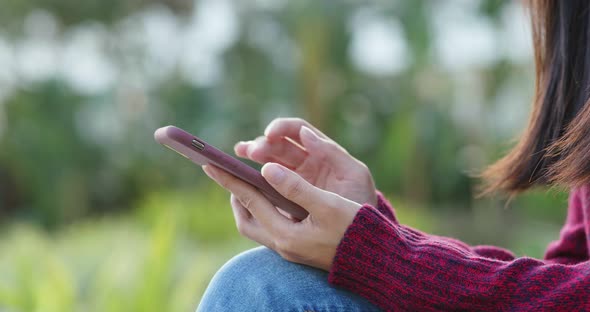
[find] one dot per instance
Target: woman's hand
(312, 241)
(315, 157)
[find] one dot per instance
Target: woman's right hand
(315, 157)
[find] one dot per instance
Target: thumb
(293, 187)
(325, 149)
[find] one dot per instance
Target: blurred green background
(98, 217)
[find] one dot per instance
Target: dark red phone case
(202, 153)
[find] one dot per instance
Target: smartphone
(203, 153)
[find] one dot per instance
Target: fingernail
(273, 173)
(309, 134)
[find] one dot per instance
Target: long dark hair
(555, 147)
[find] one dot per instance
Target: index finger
(289, 127)
(258, 205)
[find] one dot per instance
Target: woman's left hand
(312, 241)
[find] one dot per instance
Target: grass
(128, 263)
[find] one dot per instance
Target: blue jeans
(260, 280)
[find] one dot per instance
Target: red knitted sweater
(401, 269)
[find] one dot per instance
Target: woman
(356, 256)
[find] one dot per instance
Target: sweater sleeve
(401, 269)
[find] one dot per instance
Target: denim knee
(260, 280)
(247, 280)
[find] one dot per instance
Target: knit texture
(402, 269)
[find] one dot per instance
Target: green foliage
(107, 265)
(46, 154)
(66, 153)
(545, 205)
(72, 12)
(205, 213)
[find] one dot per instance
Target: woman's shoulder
(581, 196)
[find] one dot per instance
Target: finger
(297, 189)
(282, 151)
(327, 151)
(263, 210)
(242, 148)
(247, 224)
(240, 213)
(288, 127)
